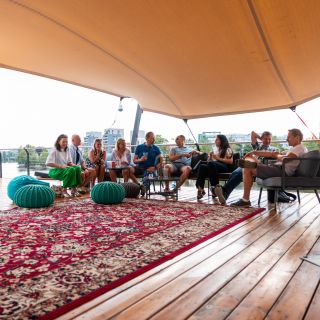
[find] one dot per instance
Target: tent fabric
(184, 58)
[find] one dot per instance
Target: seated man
(254, 168)
(235, 179)
(180, 157)
(145, 157)
(88, 174)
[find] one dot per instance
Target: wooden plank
(186, 305)
(300, 289)
(158, 299)
(314, 308)
(260, 300)
(225, 301)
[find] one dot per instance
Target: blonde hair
(120, 140)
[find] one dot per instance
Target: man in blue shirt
(147, 156)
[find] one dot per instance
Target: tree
(207, 148)
(159, 139)
(312, 145)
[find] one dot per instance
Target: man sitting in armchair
(180, 157)
(254, 168)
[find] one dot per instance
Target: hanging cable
(195, 140)
(293, 109)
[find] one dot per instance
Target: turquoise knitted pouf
(132, 189)
(107, 193)
(34, 196)
(16, 183)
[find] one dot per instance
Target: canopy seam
(99, 48)
(268, 49)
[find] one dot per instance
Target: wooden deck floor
(251, 271)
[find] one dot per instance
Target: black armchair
(307, 176)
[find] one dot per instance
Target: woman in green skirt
(63, 169)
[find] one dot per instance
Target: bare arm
(254, 137)
(224, 160)
(137, 160)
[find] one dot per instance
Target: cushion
(34, 196)
(16, 183)
(108, 193)
(132, 190)
(309, 168)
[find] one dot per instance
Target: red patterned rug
(52, 260)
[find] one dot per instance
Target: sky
(35, 110)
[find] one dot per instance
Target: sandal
(200, 194)
(65, 194)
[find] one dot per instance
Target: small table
(173, 194)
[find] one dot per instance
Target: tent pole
(195, 140)
(136, 126)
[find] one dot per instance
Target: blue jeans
(234, 180)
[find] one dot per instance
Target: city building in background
(111, 135)
(89, 139)
(208, 136)
(239, 137)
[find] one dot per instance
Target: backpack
(197, 158)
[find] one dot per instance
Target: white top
(228, 155)
(292, 165)
(125, 157)
(59, 157)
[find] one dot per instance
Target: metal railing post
(28, 161)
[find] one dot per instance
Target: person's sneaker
(142, 190)
(241, 203)
(242, 163)
(219, 193)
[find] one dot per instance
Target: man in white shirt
(253, 168)
(89, 174)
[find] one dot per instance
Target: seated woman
(97, 158)
(122, 156)
(63, 168)
(220, 161)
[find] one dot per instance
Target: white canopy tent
(183, 58)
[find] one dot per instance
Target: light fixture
(120, 107)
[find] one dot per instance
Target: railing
(31, 159)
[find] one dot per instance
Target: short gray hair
(296, 133)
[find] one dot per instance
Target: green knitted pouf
(107, 193)
(16, 183)
(34, 196)
(132, 189)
